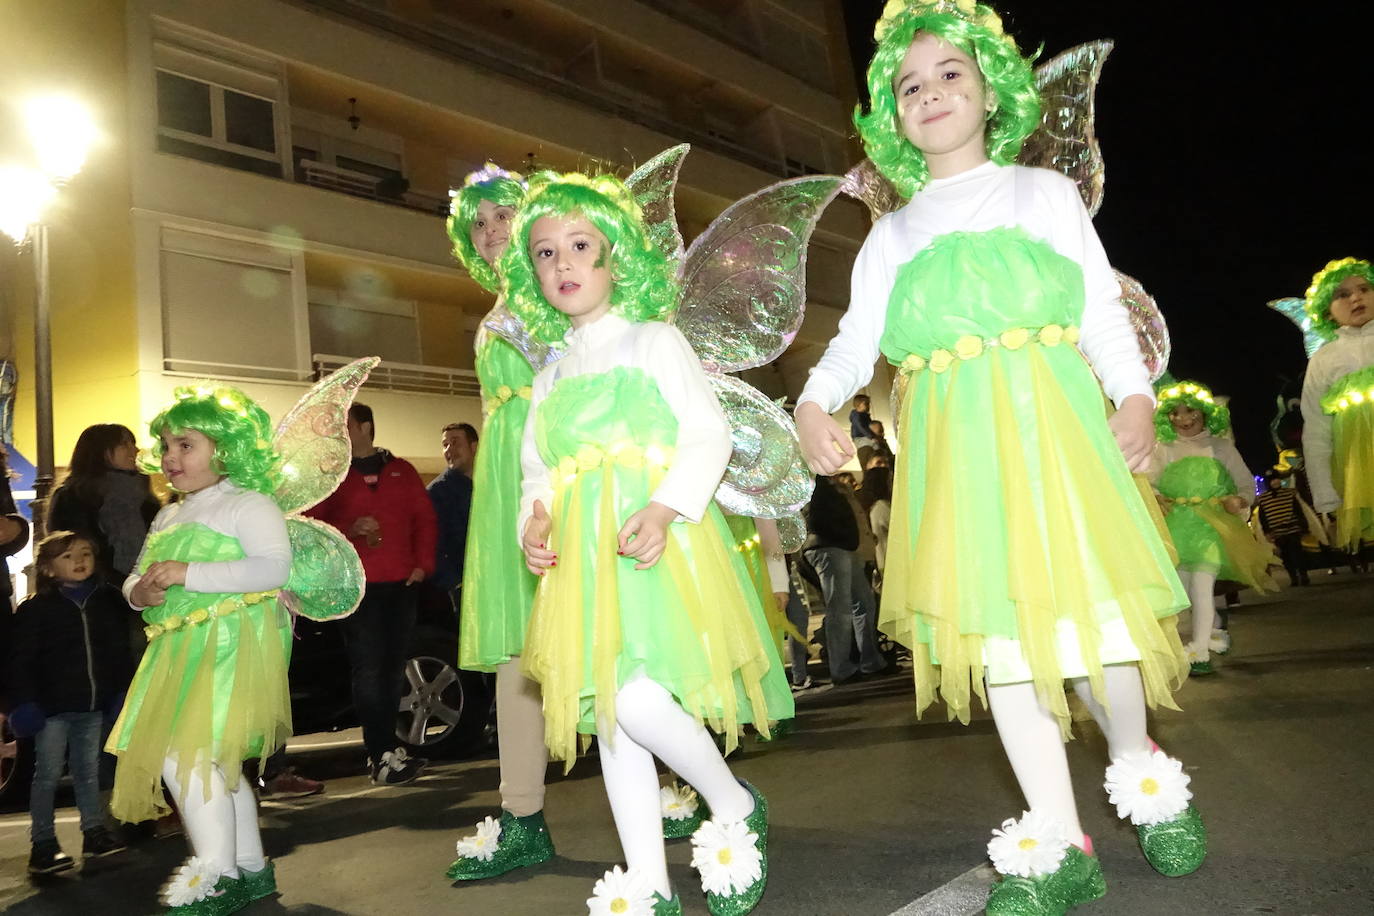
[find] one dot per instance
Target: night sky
(1237, 148)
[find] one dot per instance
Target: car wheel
(443, 710)
(16, 766)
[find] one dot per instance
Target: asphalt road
(874, 813)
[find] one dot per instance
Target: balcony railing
(361, 184)
(407, 376)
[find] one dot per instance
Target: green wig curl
(1198, 397)
(977, 31)
(240, 429)
(493, 183)
(1323, 288)
(642, 283)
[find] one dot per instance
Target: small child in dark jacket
(69, 661)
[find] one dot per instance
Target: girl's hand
(145, 594)
(1236, 505)
(645, 534)
(537, 556)
(825, 446)
(165, 573)
(1133, 425)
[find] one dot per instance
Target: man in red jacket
(384, 510)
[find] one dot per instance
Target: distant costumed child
(645, 624)
(1208, 492)
(1338, 400)
(1020, 553)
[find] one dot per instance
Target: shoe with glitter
(683, 809)
(1077, 880)
(1177, 846)
(732, 858)
(518, 843)
(1199, 665)
(672, 907)
(259, 884)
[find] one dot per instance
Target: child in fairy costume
(1208, 492)
(213, 581)
(1020, 553)
(1338, 400)
(645, 623)
(497, 587)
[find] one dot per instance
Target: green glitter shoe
(1077, 880)
(671, 907)
(184, 893)
(501, 846)
(259, 884)
(732, 858)
(1199, 665)
(1175, 847)
(683, 811)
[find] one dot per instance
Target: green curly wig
(1324, 283)
(1006, 73)
(240, 429)
(1189, 394)
(493, 183)
(642, 283)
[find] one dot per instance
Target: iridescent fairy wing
(1295, 310)
(791, 532)
(1066, 140)
(326, 580)
(767, 476)
(653, 185)
(501, 322)
(1148, 322)
(744, 278)
(866, 184)
(313, 440)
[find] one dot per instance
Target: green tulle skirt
(1206, 536)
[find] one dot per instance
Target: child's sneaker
(682, 809)
(732, 858)
(501, 846)
(259, 884)
(397, 768)
(99, 842)
(1220, 643)
(1199, 665)
(1152, 790)
(197, 889)
(47, 858)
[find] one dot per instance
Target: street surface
(874, 813)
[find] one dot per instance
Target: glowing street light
(62, 132)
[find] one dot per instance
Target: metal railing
(406, 376)
(361, 184)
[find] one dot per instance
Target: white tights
(223, 829)
(1201, 588)
(649, 724)
(1035, 748)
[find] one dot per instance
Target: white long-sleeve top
(703, 435)
(978, 200)
(1206, 445)
(249, 517)
(1352, 350)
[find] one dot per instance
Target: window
(215, 103)
(342, 324)
(213, 291)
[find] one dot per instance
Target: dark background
(1238, 150)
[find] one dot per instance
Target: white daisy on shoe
(621, 893)
(678, 802)
(1149, 788)
(727, 855)
(1028, 848)
(482, 844)
(192, 882)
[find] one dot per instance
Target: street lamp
(61, 131)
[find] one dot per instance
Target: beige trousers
(520, 737)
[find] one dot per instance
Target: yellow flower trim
(971, 346)
(222, 608)
(1197, 500)
(625, 454)
(502, 395)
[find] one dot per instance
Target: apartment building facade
(268, 198)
